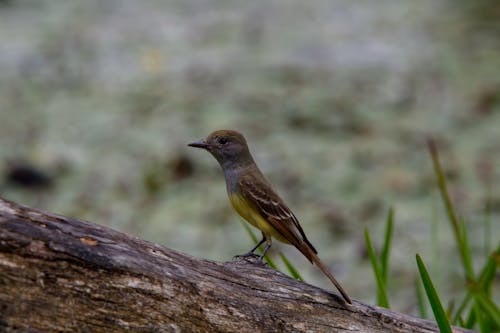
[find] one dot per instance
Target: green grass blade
(255, 239)
(488, 307)
(381, 292)
(250, 232)
(471, 318)
(435, 233)
(487, 219)
(437, 308)
(465, 250)
(441, 182)
(461, 308)
(488, 273)
(461, 322)
(384, 256)
(291, 269)
(420, 299)
(481, 323)
(484, 282)
(452, 216)
(449, 309)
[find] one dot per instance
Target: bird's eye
(223, 141)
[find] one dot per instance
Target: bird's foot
(247, 255)
(251, 257)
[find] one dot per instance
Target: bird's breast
(245, 210)
(252, 215)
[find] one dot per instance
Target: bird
(255, 200)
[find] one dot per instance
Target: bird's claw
(247, 255)
(252, 257)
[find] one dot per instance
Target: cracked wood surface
(66, 275)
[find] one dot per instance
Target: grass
(420, 299)
(483, 313)
(380, 264)
(432, 295)
(477, 309)
(381, 290)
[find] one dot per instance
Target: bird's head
(228, 147)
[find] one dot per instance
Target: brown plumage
(254, 199)
(282, 219)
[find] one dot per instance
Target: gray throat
(232, 175)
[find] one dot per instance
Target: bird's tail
(313, 257)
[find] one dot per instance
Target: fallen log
(59, 274)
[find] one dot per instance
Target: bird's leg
(258, 244)
(266, 248)
(251, 252)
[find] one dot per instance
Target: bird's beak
(199, 144)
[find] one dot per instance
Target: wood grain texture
(59, 274)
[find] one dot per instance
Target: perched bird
(254, 199)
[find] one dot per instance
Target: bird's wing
(274, 210)
(259, 193)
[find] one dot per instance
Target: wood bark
(59, 274)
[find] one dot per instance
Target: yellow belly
(253, 217)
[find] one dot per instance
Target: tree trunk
(58, 274)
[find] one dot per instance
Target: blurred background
(98, 100)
